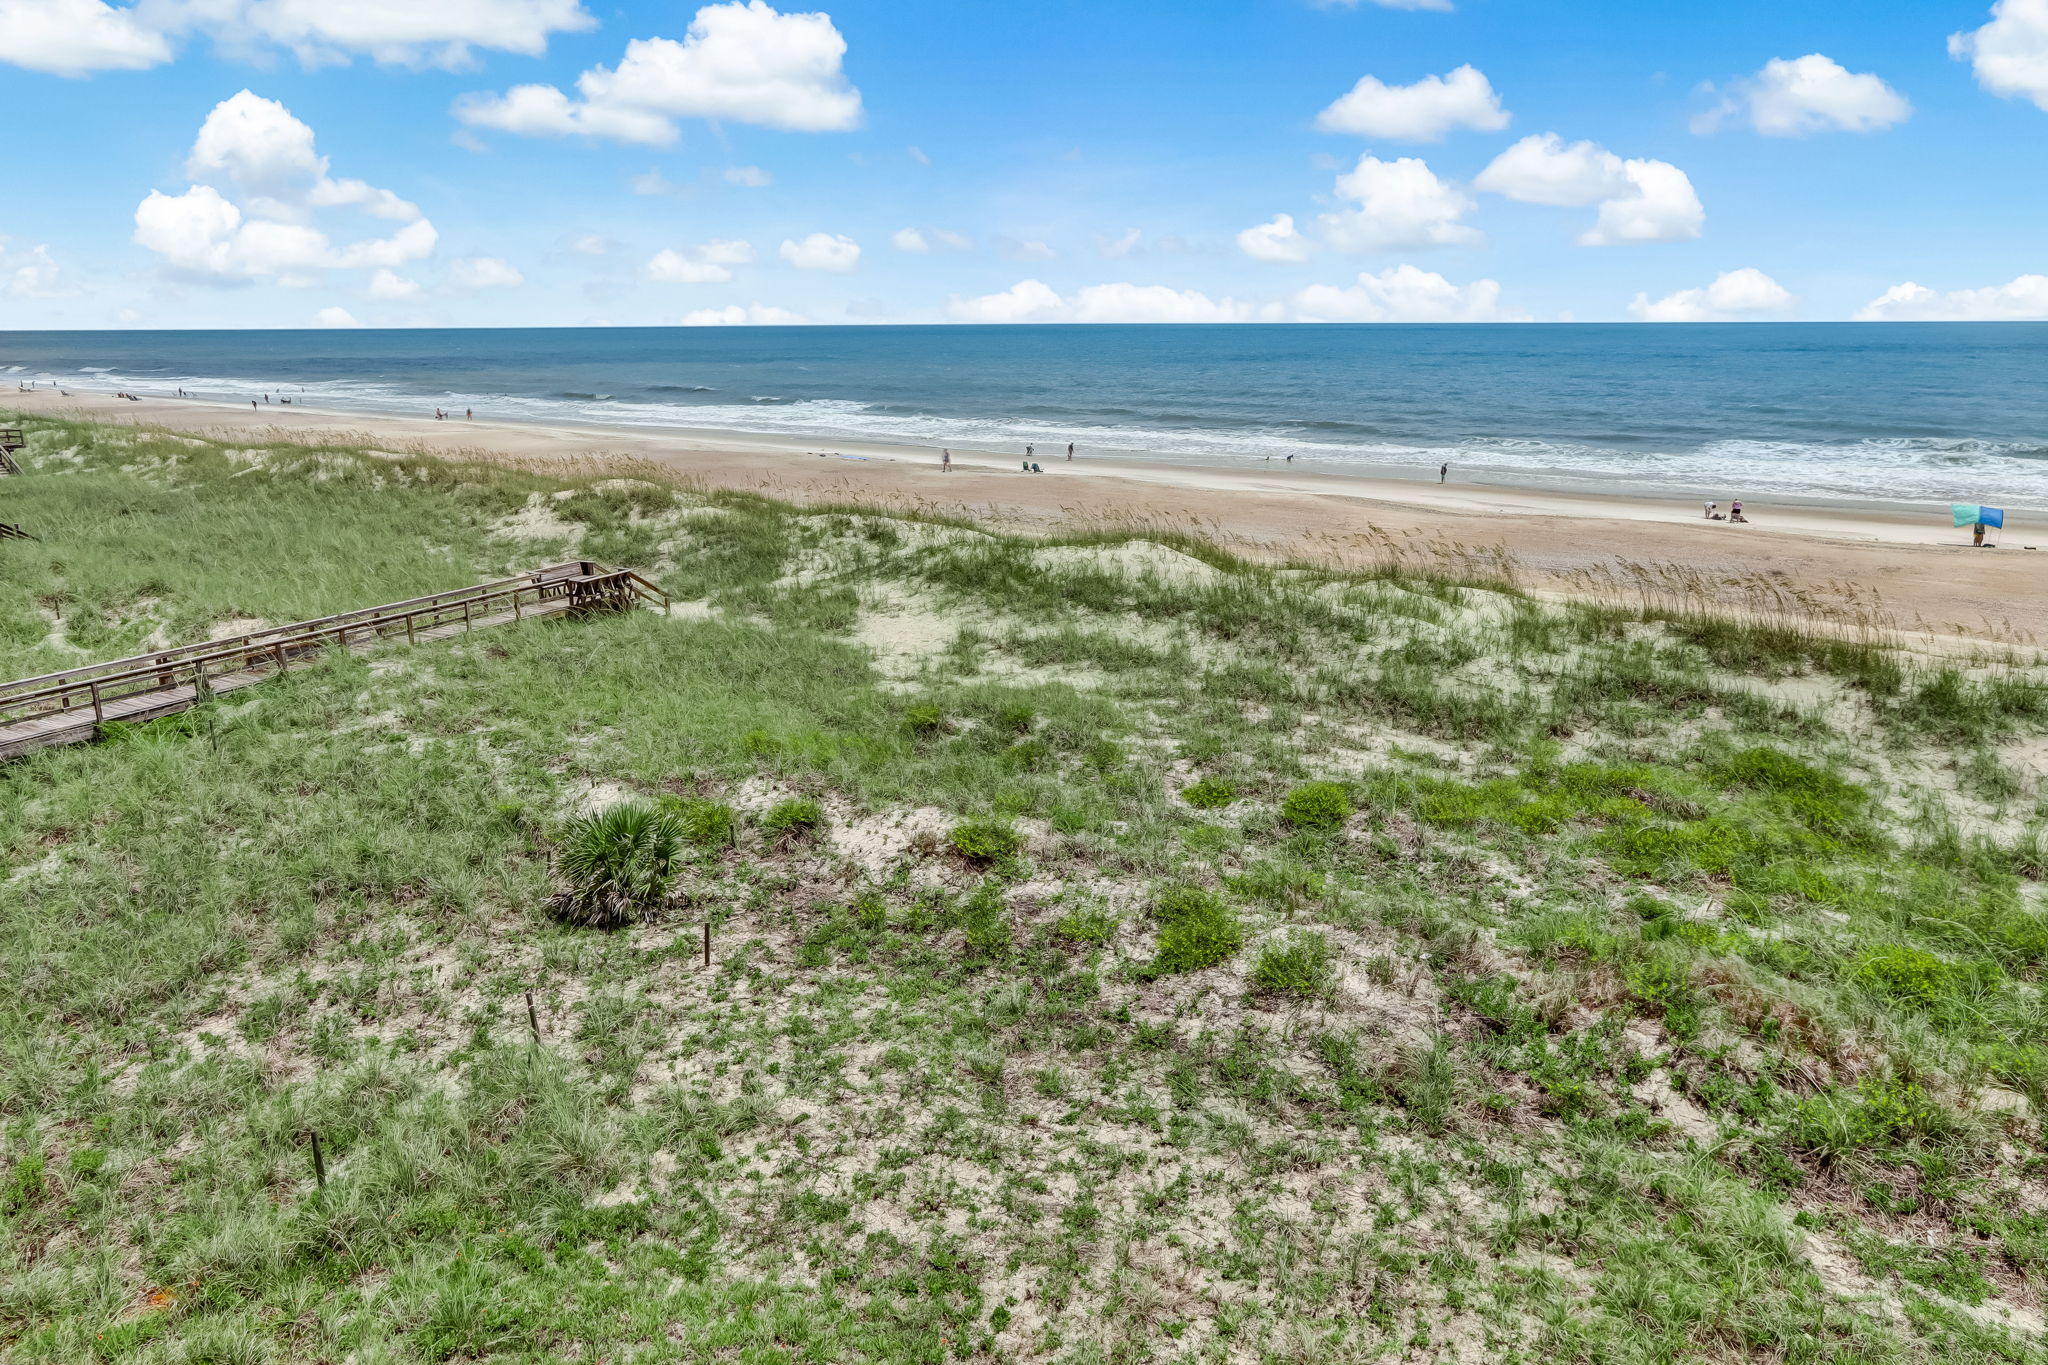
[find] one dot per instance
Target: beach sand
(1904, 567)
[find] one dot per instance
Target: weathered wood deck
(70, 707)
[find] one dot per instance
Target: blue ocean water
(1922, 412)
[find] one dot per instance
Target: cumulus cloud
(744, 62)
(822, 251)
(2010, 54)
(269, 156)
(1277, 241)
(73, 37)
(1734, 295)
(392, 286)
(1036, 301)
(2021, 299)
(30, 273)
(733, 315)
(1401, 205)
(708, 263)
(1640, 201)
(484, 272)
(335, 316)
(1024, 301)
(1811, 94)
(1404, 293)
(753, 177)
(1422, 112)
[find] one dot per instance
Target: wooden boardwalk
(70, 707)
(11, 440)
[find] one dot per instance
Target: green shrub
(1317, 805)
(1211, 793)
(1196, 930)
(709, 824)
(796, 818)
(1017, 717)
(1086, 924)
(619, 864)
(1917, 977)
(1302, 964)
(986, 841)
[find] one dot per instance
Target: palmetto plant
(620, 865)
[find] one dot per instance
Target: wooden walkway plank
(69, 707)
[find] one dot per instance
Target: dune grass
(1207, 962)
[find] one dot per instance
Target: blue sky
(532, 162)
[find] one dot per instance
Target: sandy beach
(1901, 566)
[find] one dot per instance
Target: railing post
(99, 714)
(408, 628)
(282, 666)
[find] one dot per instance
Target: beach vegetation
(1676, 994)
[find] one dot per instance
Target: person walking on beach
(469, 414)
(945, 462)
(1027, 452)
(1443, 471)
(1070, 450)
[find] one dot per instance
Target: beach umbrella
(1970, 514)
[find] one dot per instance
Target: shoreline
(1825, 559)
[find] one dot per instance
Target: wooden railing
(10, 531)
(574, 587)
(11, 440)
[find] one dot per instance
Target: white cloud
(709, 263)
(335, 316)
(72, 37)
(1422, 112)
(388, 284)
(917, 155)
(911, 240)
(484, 272)
(753, 177)
(1115, 248)
(30, 274)
(1404, 293)
(1734, 295)
(743, 62)
(1276, 241)
(652, 182)
(2009, 54)
(1810, 94)
(2023, 298)
(592, 244)
(269, 154)
(1402, 204)
(1024, 301)
(1640, 200)
(959, 241)
(822, 251)
(1017, 250)
(732, 315)
(1153, 303)
(1036, 301)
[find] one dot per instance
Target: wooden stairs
(70, 707)
(11, 440)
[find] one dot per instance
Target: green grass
(1624, 984)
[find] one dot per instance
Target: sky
(393, 163)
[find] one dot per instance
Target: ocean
(1895, 412)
